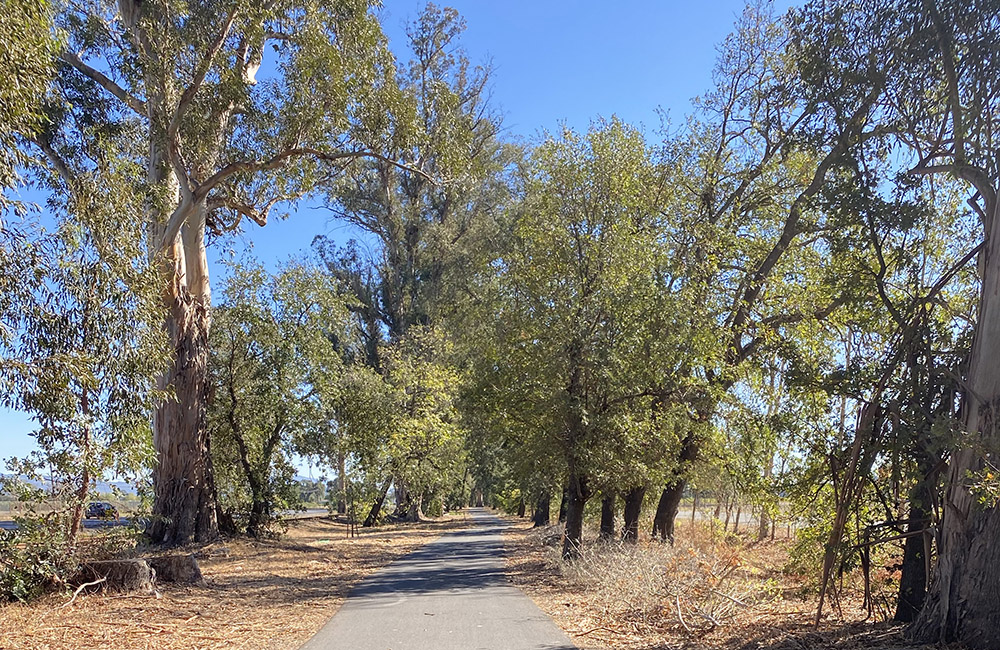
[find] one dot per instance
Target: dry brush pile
(708, 590)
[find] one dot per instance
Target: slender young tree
(81, 345)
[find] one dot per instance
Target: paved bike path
(450, 594)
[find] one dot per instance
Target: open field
(258, 594)
(709, 591)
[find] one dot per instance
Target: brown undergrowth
(258, 594)
(707, 591)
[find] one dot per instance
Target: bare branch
(104, 81)
(744, 351)
(189, 203)
(244, 209)
(81, 588)
(177, 218)
(754, 285)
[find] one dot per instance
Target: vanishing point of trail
(450, 594)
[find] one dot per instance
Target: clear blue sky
(554, 61)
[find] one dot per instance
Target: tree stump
(182, 569)
(117, 575)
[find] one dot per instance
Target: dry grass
(705, 592)
(259, 594)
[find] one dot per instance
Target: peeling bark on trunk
(183, 506)
(608, 516)
(633, 508)
(961, 605)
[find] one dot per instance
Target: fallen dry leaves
(258, 594)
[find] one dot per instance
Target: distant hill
(101, 486)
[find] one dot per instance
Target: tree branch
(257, 215)
(199, 77)
(974, 175)
(200, 194)
(103, 80)
(281, 158)
(822, 313)
(57, 162)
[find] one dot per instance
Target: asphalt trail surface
(450, 594)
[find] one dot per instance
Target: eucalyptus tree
(231, 109)
(944, 105)
(81, 345)
(27, 62)
(273, 376)
(425, 237)
(906, 349)
(937, 113)
(430, 230)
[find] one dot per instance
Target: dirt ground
(258, 594)
(716, 595)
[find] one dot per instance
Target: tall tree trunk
(376, 508)
(578, 491)
(401, 495)
(183, 494)
(666, 511)
(521, 506)
(542, 507)
(961, 605)
(563, 504)
(608, 516)
(259, 516)
(633, 508)
(670, 499)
